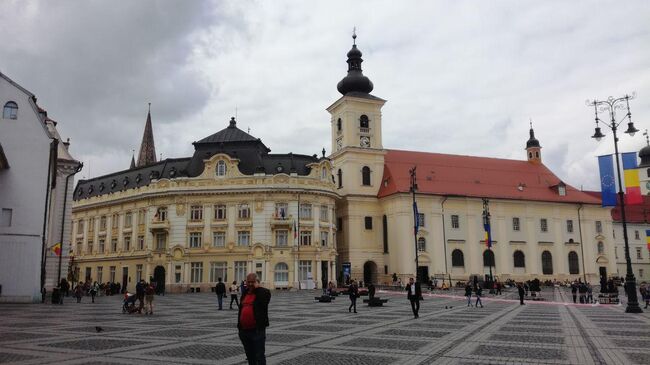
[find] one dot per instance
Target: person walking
(353, 292)
(149, 292)
(78, 292)
(234, 293)
(139, 294)
(220, 290)
(574, 290)
(590, 293)
(468, 294)
(521, 291)
(94, 289)
(253, 318)
(582, 291)
(414, 294)
(479, 293)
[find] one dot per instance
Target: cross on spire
(354, 35)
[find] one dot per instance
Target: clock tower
(358, 161)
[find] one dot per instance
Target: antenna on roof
(531, 122)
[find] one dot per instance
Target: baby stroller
(128, 305)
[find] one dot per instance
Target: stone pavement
(187, 329)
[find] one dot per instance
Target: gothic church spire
(147, 154)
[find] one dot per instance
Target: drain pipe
(582, 251)
(444, 237)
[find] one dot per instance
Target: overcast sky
(460, 77)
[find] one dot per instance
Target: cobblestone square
(188, 329)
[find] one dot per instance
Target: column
(319, 274)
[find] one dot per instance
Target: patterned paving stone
(628, 333)
(528, 339)
(93, 344)
(380, 343)
(20, 336)
(642, 358)
(531, 329)
(413, 333)
(176, 333)
(286, 337)
(6, 357)
(338, 359)
(628, 342)
(200, 351)
(318, 328)
(520, 352)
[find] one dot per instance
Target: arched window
(519, 259)
(281, 273)
(530, 155)
(488, 258)
(536, 154)
(547, 263)
(221, 168)
(365, 176)
(323, 173)
(457, 259)
(10, 110)
(363, 121)
(340, 178)
(574, 266)
(601, 248)
(422, 244)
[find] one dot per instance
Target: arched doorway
(159, 279)
(369, 273)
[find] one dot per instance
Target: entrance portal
(324, 273)
(369, 273)
(159, 279)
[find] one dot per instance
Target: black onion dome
(644, 154)
(532, 141)
(354, 81)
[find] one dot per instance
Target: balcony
(281, 220)
(159, 225)
(363, 130)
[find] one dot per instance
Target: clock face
(339, 143)
(365, 141)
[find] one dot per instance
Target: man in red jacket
(253, 319)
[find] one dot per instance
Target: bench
(375, 302)
(324, 298)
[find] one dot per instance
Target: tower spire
(355, 81)
(147, 155)
(533, 148)
(132, 159)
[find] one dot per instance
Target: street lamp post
(611, 105)
(486, 225)
(414, 187)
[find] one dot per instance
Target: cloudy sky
(460, 77)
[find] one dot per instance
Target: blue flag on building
(416, 218)
(607, 181)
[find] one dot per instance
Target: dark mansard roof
(253, 155)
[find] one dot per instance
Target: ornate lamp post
(611, 105)
(486, 225)
(414, 187)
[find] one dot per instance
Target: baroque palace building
(232, 208)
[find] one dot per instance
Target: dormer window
(323, 174)
(561, 189)
(10, 110)
(221, 168)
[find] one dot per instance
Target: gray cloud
(461, 77)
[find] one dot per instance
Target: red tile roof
(634, 213)
(456, 175)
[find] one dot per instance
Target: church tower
(147, 155)
(644, 167)
(533, 149)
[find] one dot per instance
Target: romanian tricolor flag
(57, 249)
(488, 235)
(647, 238)
(631, 174)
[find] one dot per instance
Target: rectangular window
(161, 214)
(339, 224)
(90, 247)
(102, 223)
(259, 270)
(219, 212)
(115, 220)
(636, 235)
(243, 238)
(101, 247)
(305, 211)
(91, 224)
(638, 253)
(161, 243)
(141, 243)
(80, 226)
(281, 211)
(79, 248)
(599, 227)
(455, 223)
(543, 225)
(6, 217)
(100, 274)
(128, 220)
(196, 213)
(281, 238)
(141, 216)
(368, 222)
(177, 274)
(114, 245)
(195, 239)
(219, 239)
(196, 272)
(127, 243)
(240, 271)
(243, 211)
(138, 273)
(305, 238)
(324, 238)
(219, 270)
(421, 219)
(304, 270)
(324, 213)
(569, 226)
(111, 274)
(515, 224)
